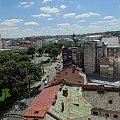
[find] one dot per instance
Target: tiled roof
(74, 104)
(71, 75)
(42, 103)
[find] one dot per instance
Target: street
(27, 99)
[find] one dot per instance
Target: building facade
(0, 42)
(38, 44)
(110, 67)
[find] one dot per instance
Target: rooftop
(100, 87)
(42, 103)
(113, 41)
(71, 75)
(74, 104)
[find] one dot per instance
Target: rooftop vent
(65, 92)
(36, 112)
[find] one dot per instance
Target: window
(110, 101)
(106, 114)
(95, 113)
(115, 116)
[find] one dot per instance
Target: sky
(22, 18)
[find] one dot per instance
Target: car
(46, 82)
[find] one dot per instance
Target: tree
(40, 50)
(55, 52)
(48, 50)
(31, 51)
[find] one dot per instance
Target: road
(39, 59)
(39, 86)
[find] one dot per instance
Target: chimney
(62, 105)
(66, 73)
(73, 69)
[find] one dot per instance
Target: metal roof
(113, 41)
(42, 103)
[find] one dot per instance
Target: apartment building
(0, 42)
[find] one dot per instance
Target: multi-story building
(110, 67)
(86, 54)
(38, 44)
(0, 42)
(113, 46)
(104, 99)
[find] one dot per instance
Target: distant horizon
(60, 35)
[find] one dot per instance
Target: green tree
(55, 52)
(31, 51)
(40, 50)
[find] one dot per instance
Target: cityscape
(59, 60)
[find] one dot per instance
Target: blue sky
(20, 18)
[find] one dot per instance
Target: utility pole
(28, 83)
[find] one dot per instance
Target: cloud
(45, 1)
(48, 9)
(11, 22)
(87, 15)
(62, 6)
(63, 25)
(28, 30)
(42, 15)
(7, 29)
(50, 18)
(69, 15)
(26, 4)
(31, 24)
(82, 21)
(108, 17)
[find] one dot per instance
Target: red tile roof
(70, 75)
(42, 103)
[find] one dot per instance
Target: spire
(73, 34)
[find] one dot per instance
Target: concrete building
(92, 117)
(89, 51)
(0, 42)
(113, 46)
(38, 44)
(110, 67)
(105, 100)
(62, 41)
(86, 55)
(94, 37)
(18, 49)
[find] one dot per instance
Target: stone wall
(102, 100)
(91, 117)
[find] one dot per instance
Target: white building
(0, 42)
(38, 44)
(113, 46)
